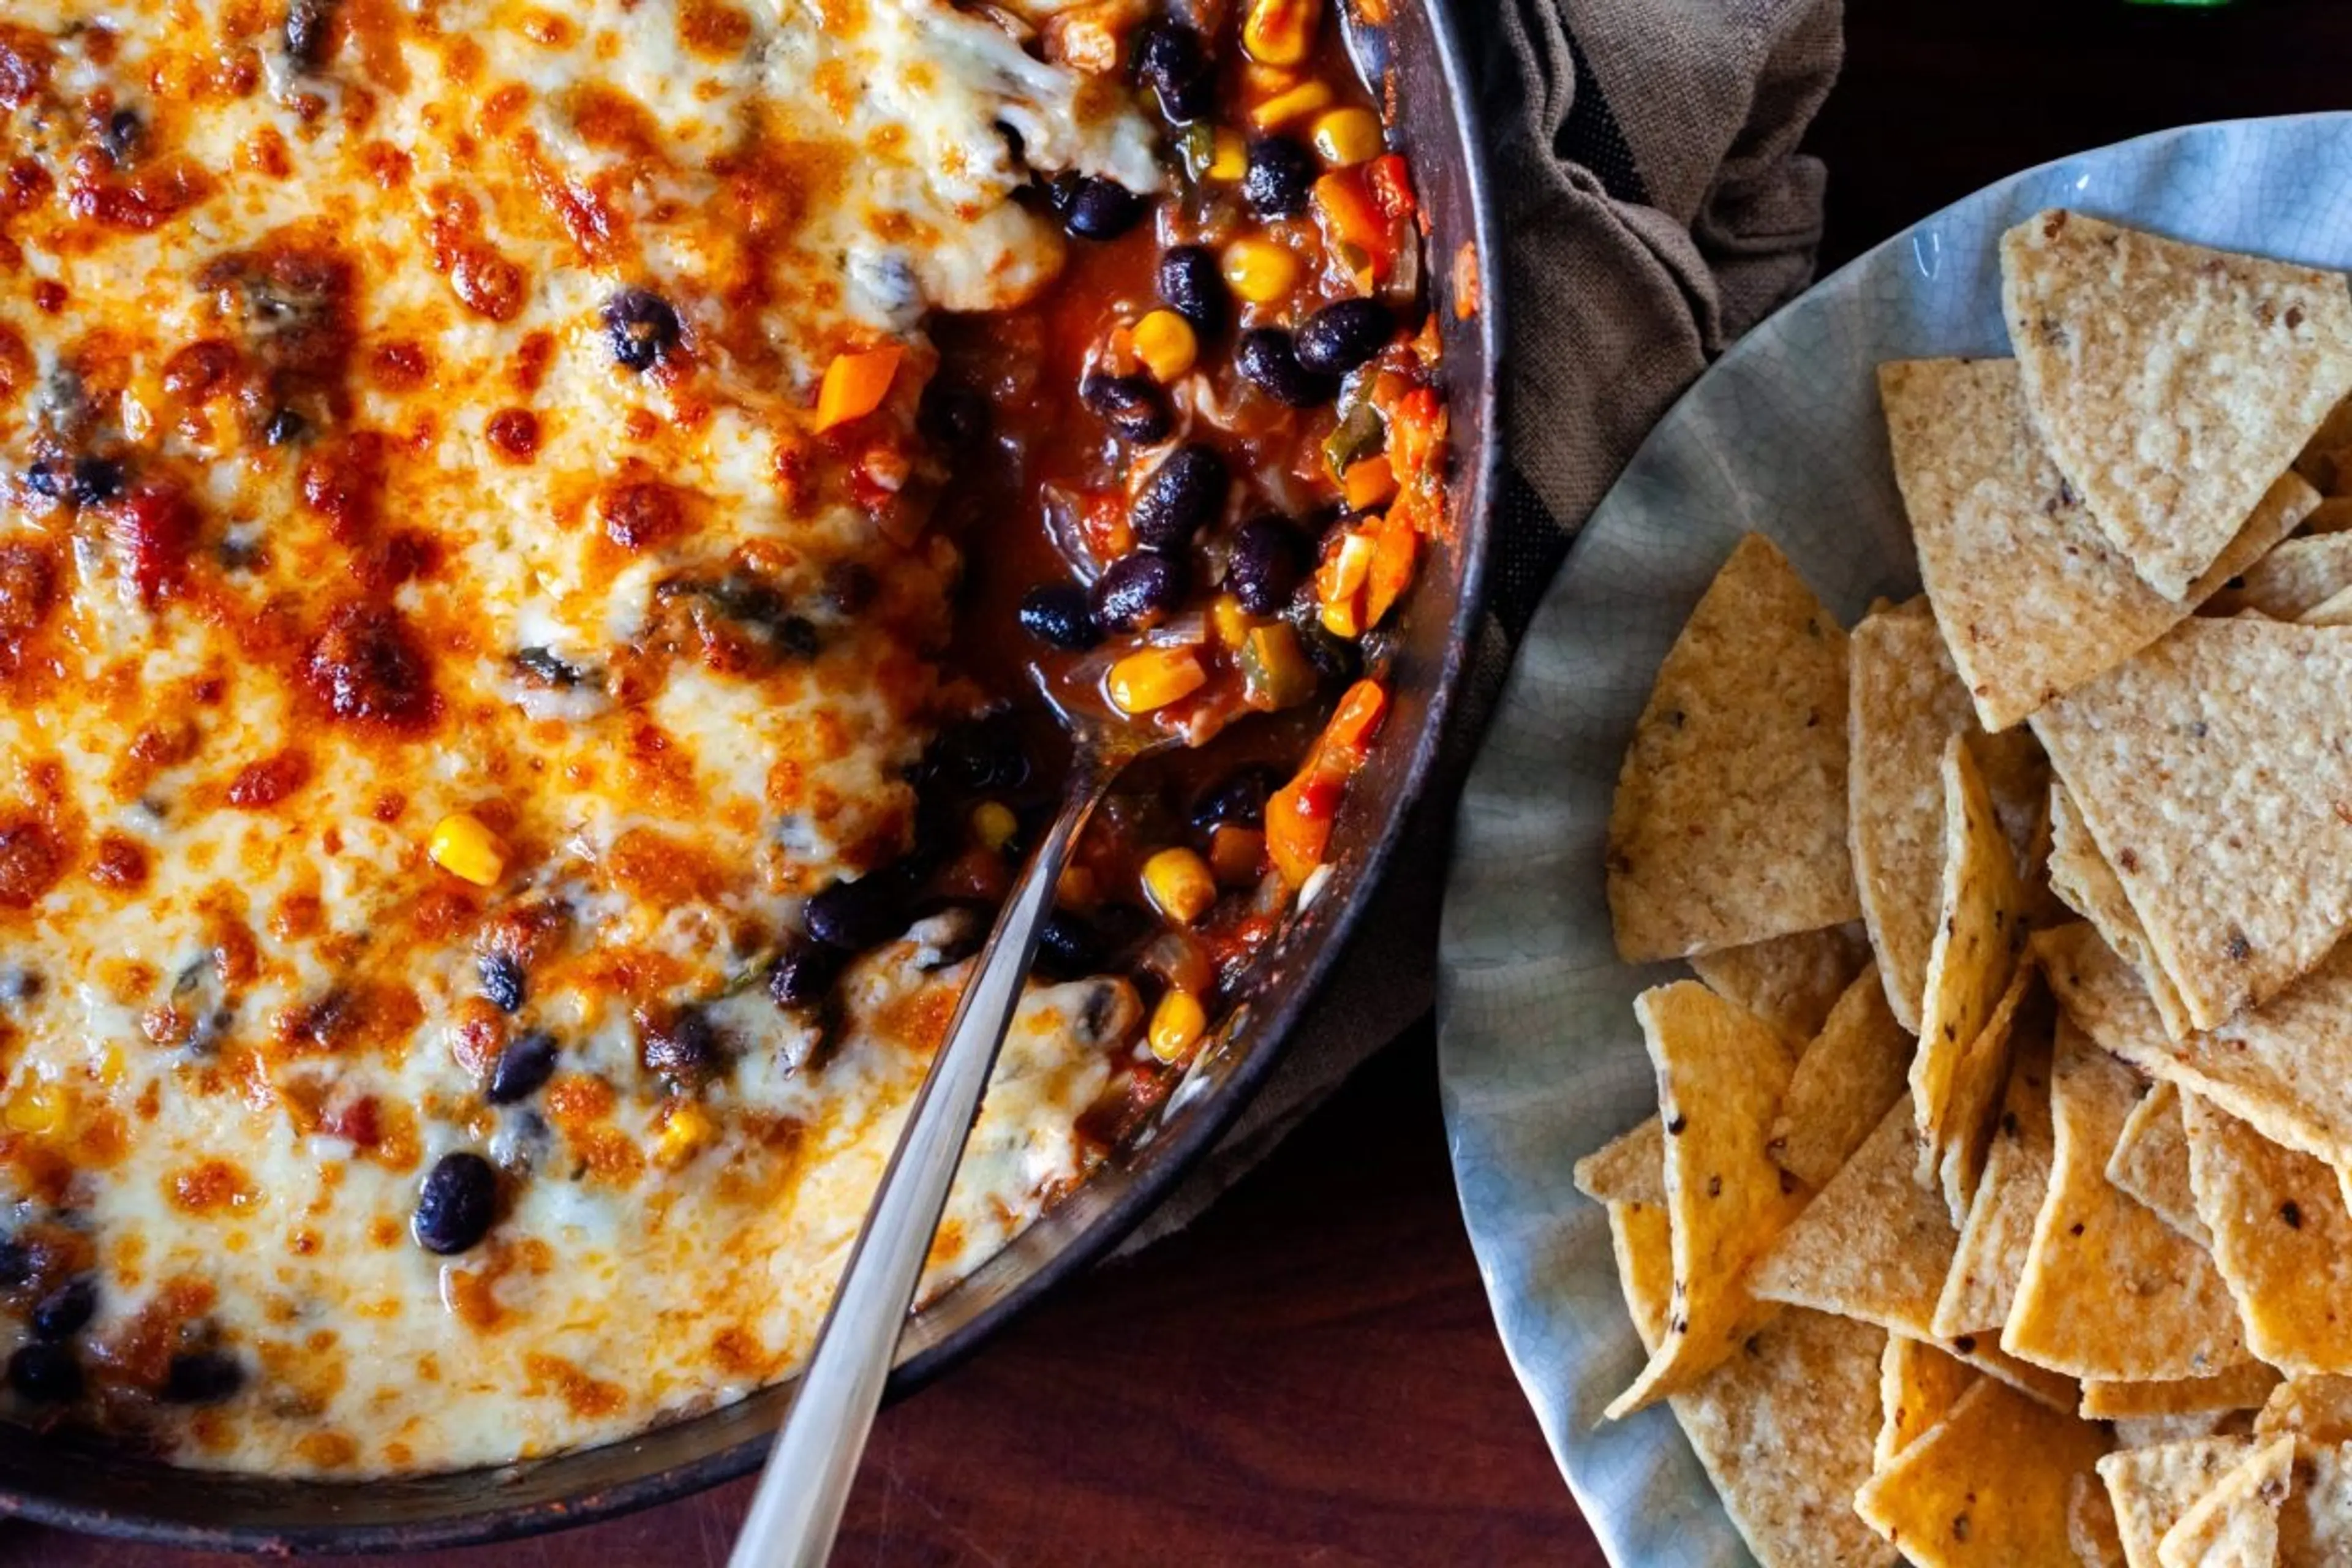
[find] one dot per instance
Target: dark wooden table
(1309, 1374)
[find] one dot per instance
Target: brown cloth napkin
(1655, 207)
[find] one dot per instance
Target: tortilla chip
(1633, 1166)
(2240, 1388)
(2173, 760)
(2333, 611)
(1978, 933)
(2324, 457)
(1720, 1077)
(1875, 1245)
(1917, 1385)
(2236, 1524)
(2025, 1017)
(2296, 576)
(1784, 1428)
(2110, 1291)
(2317, 1408)
(2286, 1067)
(1907, 703)
(1729, 822)
(2333, 513)
(2091, 1523)
(2171, 384)
(2281, 1237)
(2082, 877)
(2154, 1431)
(2152, 1488)
(1982, 1284)
(2151, 1163)
(1789, 981)
(2315, 1522)
(1988, 1484)
(2031, 598)
(1843, 1083)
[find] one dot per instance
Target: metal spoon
(797, 1510)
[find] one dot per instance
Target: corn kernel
(994, 824)
(1280, 32)
(1346, 137)
(1229, 620)
(463, 845)
(1075, 889)
(686, 1133)
(1297, 103)
(1236, 854)
(1343, 591)
(36, 1108)
(1179, 885)
(1176, 1023)
(1229, 156)
(1151, 680)
(1165, 342)
(1260, 270)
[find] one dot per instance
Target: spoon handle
(797, 1510)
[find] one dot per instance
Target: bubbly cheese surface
(406, 414)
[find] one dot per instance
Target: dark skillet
(87, 1487)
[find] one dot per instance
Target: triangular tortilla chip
(2171, 384)
(2235, 1524)
(2326, 458)
(2333, 513)
(2281, 1237)
(2151, 1163)
(1784, 1428)
(2110, 1291)
(1720, 1077)
(1875, 1245)
(1983, 1285)
(1978, 933)
(1630, 1166)
(2211, 769)
(2335, 610)
(2031, 598)
(1988, 1484)
(1847, 1077)
(1917, 1386)
(2091, 1523)
(1789, 981)
(2025, 1017)
(2152, 1488)
(1907, 703)
(2240, 1388)
(1729, 822)
(2315, 1522)
(2317, 1409)
(2286, 1067)
(2082, 877)
(2298, 575)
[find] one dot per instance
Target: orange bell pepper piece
(854, 384)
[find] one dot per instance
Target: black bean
(124, 131)
(45, 1374)
(454, 1207)
(95, 481)
(683, 1047)
(1333, 656)
(1268, 558)
(66, 1311)
(1195, 287)
(1138, 591)
(207, 1377)
(982, 755)
(1097, 208)
(850, 586)
(1280, 176)
(17, 1263)
(642, 328)
(1269, 360)
(952, 416)
(1068, 948)
(1338, 338)
(525, 1064)
(861, 914)
(284, 426)
(1240, 800)
(1173, 62)
(1132, 405)
(803, 974)
(306, 30)
(1183, 496)
(1056, 614)
(503, 982)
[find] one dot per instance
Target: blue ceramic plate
(1540, 1058)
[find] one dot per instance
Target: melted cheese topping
(331, 512)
